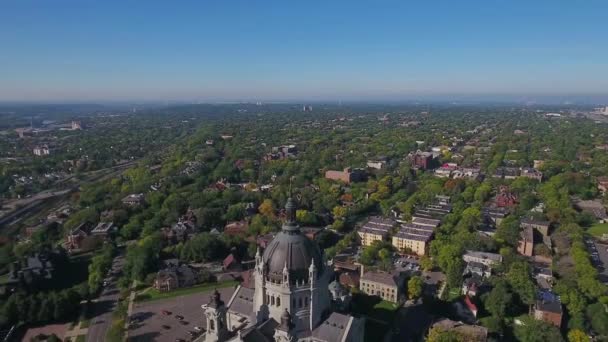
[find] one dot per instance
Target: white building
(290, 299)
(42, 150)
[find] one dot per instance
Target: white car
(199, 329)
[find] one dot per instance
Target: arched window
(278, 301)
(272, 300)
(211, 325)
(267, 299)
(300, 302)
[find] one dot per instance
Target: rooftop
(381, 277)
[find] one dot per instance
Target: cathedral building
(290, 301)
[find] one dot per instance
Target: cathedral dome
(292, 250)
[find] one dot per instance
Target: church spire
(290, 224)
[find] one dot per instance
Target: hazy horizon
(234, 51)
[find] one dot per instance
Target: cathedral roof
(291, 250)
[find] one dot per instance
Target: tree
(426, 263)
(204, 247)
(498, 300)
(533, 330)
(414, 287)
(267, 208)
(236, 212)
(596, 313)
(577, 335)
(306, 217)
(508, 231)
(339, 212)
(519, 277)
(438, 334)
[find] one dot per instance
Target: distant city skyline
(309, 51)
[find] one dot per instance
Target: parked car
(180, 317)
(166, 327)
(197, 328)
(166, 312)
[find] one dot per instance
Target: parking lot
(407, 263)
(599, 257)
(150, 324)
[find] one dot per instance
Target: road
(101, 309)
(599, 258)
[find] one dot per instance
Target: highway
(102, 308)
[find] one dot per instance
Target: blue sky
(280, 50)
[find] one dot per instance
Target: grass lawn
(598, 229)
(386, 306)
(374, 307)
(81, 338)
(152, 294)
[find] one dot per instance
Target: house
(79, 238)
(471, 285)
(543, 276)
(179, 232)
(133, 200)
(376, 229)
(485, 258)
(421, 160)
(31, 230)
(350, 279)
(347, 176)
(593, 207)
(526, 242)
(506, 173)
(104, 229)
(541, 226)
(413, 237)
(445, 170)
(473, 173)
(43, 150)
(505, 198)
(602, 184)
(432, 211)
(174, 276)
(281, 152)
(478, 269)
(531, 173)
(182, 229)
(376, 164)
(471, 333)
(423, 221)
(548, 308)
(387, 286)
(494, 216)
(236, 228)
